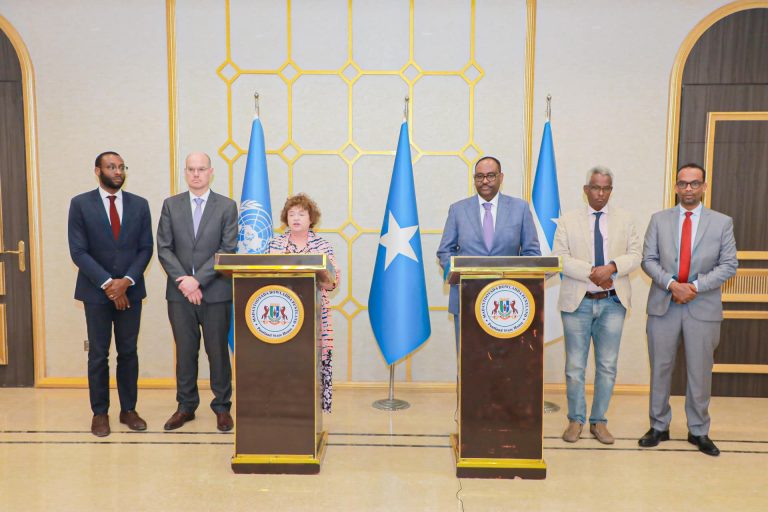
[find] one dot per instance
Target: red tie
(685, 250)
(114, 218)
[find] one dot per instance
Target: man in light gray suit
(689, 252)
(193, 227)
(488, 224)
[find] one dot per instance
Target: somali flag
(397, 304)
(546, 210)
(255, 220)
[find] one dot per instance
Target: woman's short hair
(304, 202)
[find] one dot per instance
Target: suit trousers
(187, 319)
(100, 319)
(700, 339)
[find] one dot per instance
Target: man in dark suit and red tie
(110, 241)
(689, 252)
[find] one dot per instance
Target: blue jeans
(602, 321)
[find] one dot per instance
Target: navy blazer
(98, 255)
(515, 235)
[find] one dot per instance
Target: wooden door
(16, 352)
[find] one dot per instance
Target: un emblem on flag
(274, 314)
(505, 308)
(255, 228)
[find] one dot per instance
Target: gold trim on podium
(274, 459)
(478, 463)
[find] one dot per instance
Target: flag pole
(392, 403)
(256, 101)
(550, 406)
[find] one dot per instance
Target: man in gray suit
(193, 227)
(689, 252)
(488, 224)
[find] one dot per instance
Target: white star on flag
(398, 241)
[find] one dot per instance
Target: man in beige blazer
(599, 247)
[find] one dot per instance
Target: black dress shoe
(705, 444)
(653, 437)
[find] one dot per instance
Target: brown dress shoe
(224, 421)
(178, 419)
(600, 431)
(133, 420)
(100, 425)
(573, 432)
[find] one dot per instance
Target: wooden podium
(278, 415)
(501, 365)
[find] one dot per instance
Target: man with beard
(689, 252)
(110, 241)
(487, 224)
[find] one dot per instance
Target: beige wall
(102, 83)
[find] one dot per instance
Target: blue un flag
(255, 220)
(397, 304)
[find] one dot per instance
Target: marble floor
(375, 461)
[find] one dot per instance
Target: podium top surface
(272, 263)
(478, 265)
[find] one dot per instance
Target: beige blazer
(573, 244)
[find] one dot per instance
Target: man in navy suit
(110, 241)
(488, 224)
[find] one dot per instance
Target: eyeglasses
(196, 170)
(695, 185)
(491, 177)
(113, 167)
(596, 188)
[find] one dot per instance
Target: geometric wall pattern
(331, 102)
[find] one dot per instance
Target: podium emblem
(274, 314)
(505, 308)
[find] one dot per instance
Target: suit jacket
(713, 261)
(179, 250)
(574, 243)
(514, 235)
(98, 255)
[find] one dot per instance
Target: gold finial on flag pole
(549, 106)
(256, 101)
(405, 109)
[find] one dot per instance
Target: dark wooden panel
(277, 391)
(13, 183)
(741, 342)
(745, 306)
(698, 100)
(733, 50)
(501, 383)
(739, 181)
(740, 384)
(10, 70)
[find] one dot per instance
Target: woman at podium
(299, 215)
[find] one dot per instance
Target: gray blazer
(713, 261)
(514, 235)
(179, 250)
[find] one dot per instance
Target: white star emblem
(398, 241)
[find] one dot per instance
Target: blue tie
(599, 258)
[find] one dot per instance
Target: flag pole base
(395, 404)
(551, 406)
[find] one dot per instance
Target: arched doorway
(719, 118)
(16, 323)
